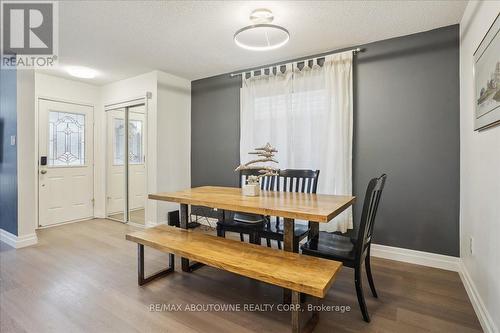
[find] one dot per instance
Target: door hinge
(93, 202)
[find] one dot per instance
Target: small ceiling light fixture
(81, 72)
(262, 35)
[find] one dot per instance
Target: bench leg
(186, 267)
(298, 315)
(142, 280)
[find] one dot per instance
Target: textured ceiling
(194, 39)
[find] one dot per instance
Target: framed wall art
(487, 79)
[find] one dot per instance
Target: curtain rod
(356, 50)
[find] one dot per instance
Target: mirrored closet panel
(125, 164)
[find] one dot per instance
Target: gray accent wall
(8, 153)
(406, 124)
(215, 131)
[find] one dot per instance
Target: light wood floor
(136, 216)
(82, 277)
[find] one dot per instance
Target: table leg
(313, 230)
(289, 245)
(289, 236)
(184, 223)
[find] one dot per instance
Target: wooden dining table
(291, 206)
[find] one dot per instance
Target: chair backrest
(264, 181)
(288, 180)
(296, 180)
(370, 206)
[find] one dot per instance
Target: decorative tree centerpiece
(265, 154)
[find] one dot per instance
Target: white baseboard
(443, 262)
(90, 218)
(137, 225)
(477, 302)
(18, 242)
(151, 224)
(416, 257)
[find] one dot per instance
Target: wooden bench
(299, 273)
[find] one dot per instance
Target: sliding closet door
(115, 168)
(126, 164)
(137, 166)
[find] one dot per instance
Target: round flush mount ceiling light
(81, 72)
(262, 35)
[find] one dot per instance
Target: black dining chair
(290, 180)
(245, 223)
(353, 252)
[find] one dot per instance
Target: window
(66, 139)
(306, 113)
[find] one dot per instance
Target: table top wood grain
(302, 206)
(306, 274)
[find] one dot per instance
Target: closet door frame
(126, 107)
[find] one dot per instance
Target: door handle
(43, 172)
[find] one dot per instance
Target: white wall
(479, 176)
(56, 88)
(26, 161)
(174, 138)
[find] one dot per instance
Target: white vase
(251, 190)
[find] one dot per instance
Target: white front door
(66, 165)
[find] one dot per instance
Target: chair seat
(249, 218)
(236, 226)
(330, 246)
(277, 233)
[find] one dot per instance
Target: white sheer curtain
(307, 115)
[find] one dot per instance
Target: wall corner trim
(416, 257)
(18, 242)
(477, 302)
